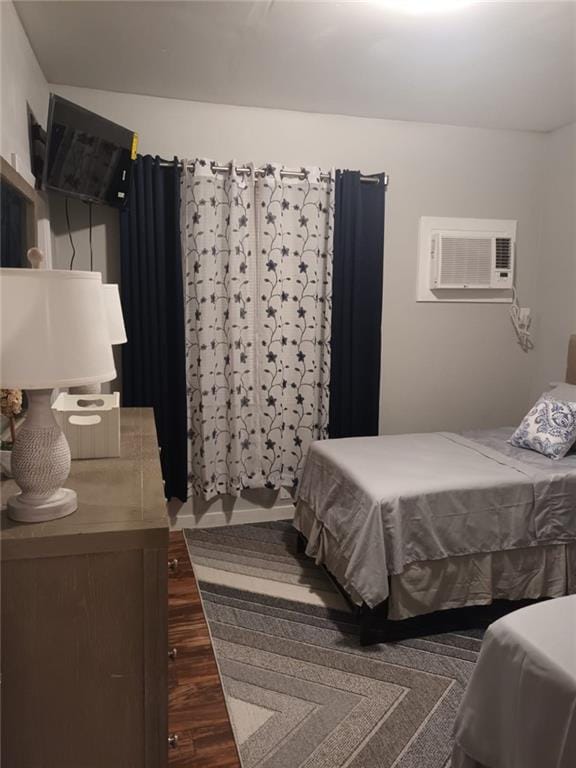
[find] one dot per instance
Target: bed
(414, 524)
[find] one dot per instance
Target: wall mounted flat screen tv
(87, 156)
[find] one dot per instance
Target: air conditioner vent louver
(503, 253)
(466, 261)
(472, 260)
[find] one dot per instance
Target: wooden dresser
(84, 648)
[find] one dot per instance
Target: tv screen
(87, 156)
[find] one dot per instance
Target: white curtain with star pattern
(258, 279)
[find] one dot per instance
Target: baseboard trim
(237, 517)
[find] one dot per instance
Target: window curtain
(153, 360)
(258, 260)
(357, 305)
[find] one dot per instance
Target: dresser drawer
(84, 636)
(84, 661)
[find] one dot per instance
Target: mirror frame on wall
(11, 176)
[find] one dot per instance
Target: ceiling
(492, 64)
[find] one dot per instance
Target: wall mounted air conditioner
(475, 260)
(466, 260)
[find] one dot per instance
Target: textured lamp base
(40, 465)
(62, 503)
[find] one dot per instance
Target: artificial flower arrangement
(10, 407)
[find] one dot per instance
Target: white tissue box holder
(91, 424)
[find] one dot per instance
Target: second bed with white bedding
(439, 520)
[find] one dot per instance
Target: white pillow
(548, 428)
(561, 391)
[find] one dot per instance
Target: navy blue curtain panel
(153, 360)
(356, 305)
(12, 227)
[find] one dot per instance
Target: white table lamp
(53, 333)
(116, 331)
(114, 314)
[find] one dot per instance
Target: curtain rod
(287, 173)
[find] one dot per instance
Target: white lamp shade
(114, 314)
(54, 331)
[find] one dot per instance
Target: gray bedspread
(395, 500)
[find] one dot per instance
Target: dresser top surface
(123, 494)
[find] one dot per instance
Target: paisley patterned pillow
(549, 428)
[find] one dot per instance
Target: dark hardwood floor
(197, 712)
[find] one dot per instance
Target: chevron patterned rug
(301, 691)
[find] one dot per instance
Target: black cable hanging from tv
(90, 236)
(70, 235)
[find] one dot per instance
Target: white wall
(22, 87)
(444, 367)
(557, 270)
(475, 374)
(105, 236)
(22, 84)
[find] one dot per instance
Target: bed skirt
(456, 582)
(461, 760)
